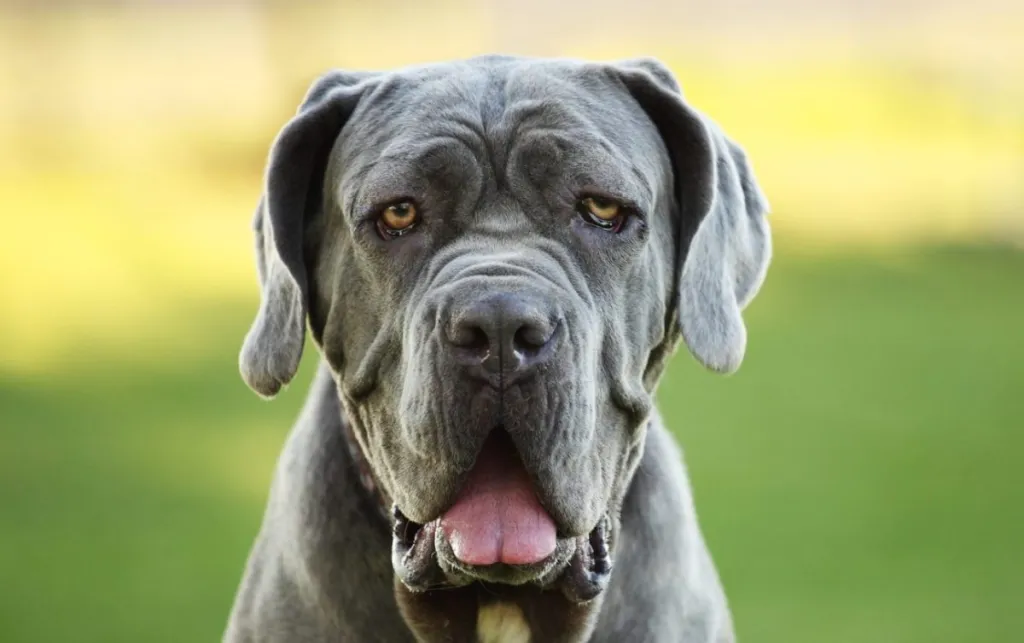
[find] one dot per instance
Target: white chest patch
(502, 623)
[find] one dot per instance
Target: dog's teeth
(404, 529)
(599, 549)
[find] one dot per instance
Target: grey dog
(495, 258)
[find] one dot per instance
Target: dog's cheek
(626, 404)
(555, 423)
(626, 468)
(438, 424)
(441, 414)
(343, 319)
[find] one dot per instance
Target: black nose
(503, 332)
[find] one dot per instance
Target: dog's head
(495, 257)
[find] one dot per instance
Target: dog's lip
(542, 572)
(580, 567)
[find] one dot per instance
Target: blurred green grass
(858, 480)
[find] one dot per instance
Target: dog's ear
(724, 244)
(293, 190)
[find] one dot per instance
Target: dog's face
(495, 257)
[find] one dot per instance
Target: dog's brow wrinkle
(414, 152)
(492, 109)
(492, 104)
(471, 139)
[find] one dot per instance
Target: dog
(495, 258)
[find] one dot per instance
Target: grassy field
(858, 480)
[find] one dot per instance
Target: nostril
(530, 338)
(470, 337)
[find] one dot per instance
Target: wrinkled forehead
(541, 117)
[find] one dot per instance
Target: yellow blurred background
(888, 135)
(134, 132)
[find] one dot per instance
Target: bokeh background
(860, 479)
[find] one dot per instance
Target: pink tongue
(497, 517)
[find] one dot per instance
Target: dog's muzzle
(502, 341)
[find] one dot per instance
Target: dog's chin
(579, 567)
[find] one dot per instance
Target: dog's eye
(398, 219)
(604, 213)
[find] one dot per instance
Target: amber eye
(603, 213)
(398, 218)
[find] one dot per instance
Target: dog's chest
(502, 623)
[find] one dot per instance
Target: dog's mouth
(498, 531)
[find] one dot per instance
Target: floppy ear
(724, 244)
(292, 192)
